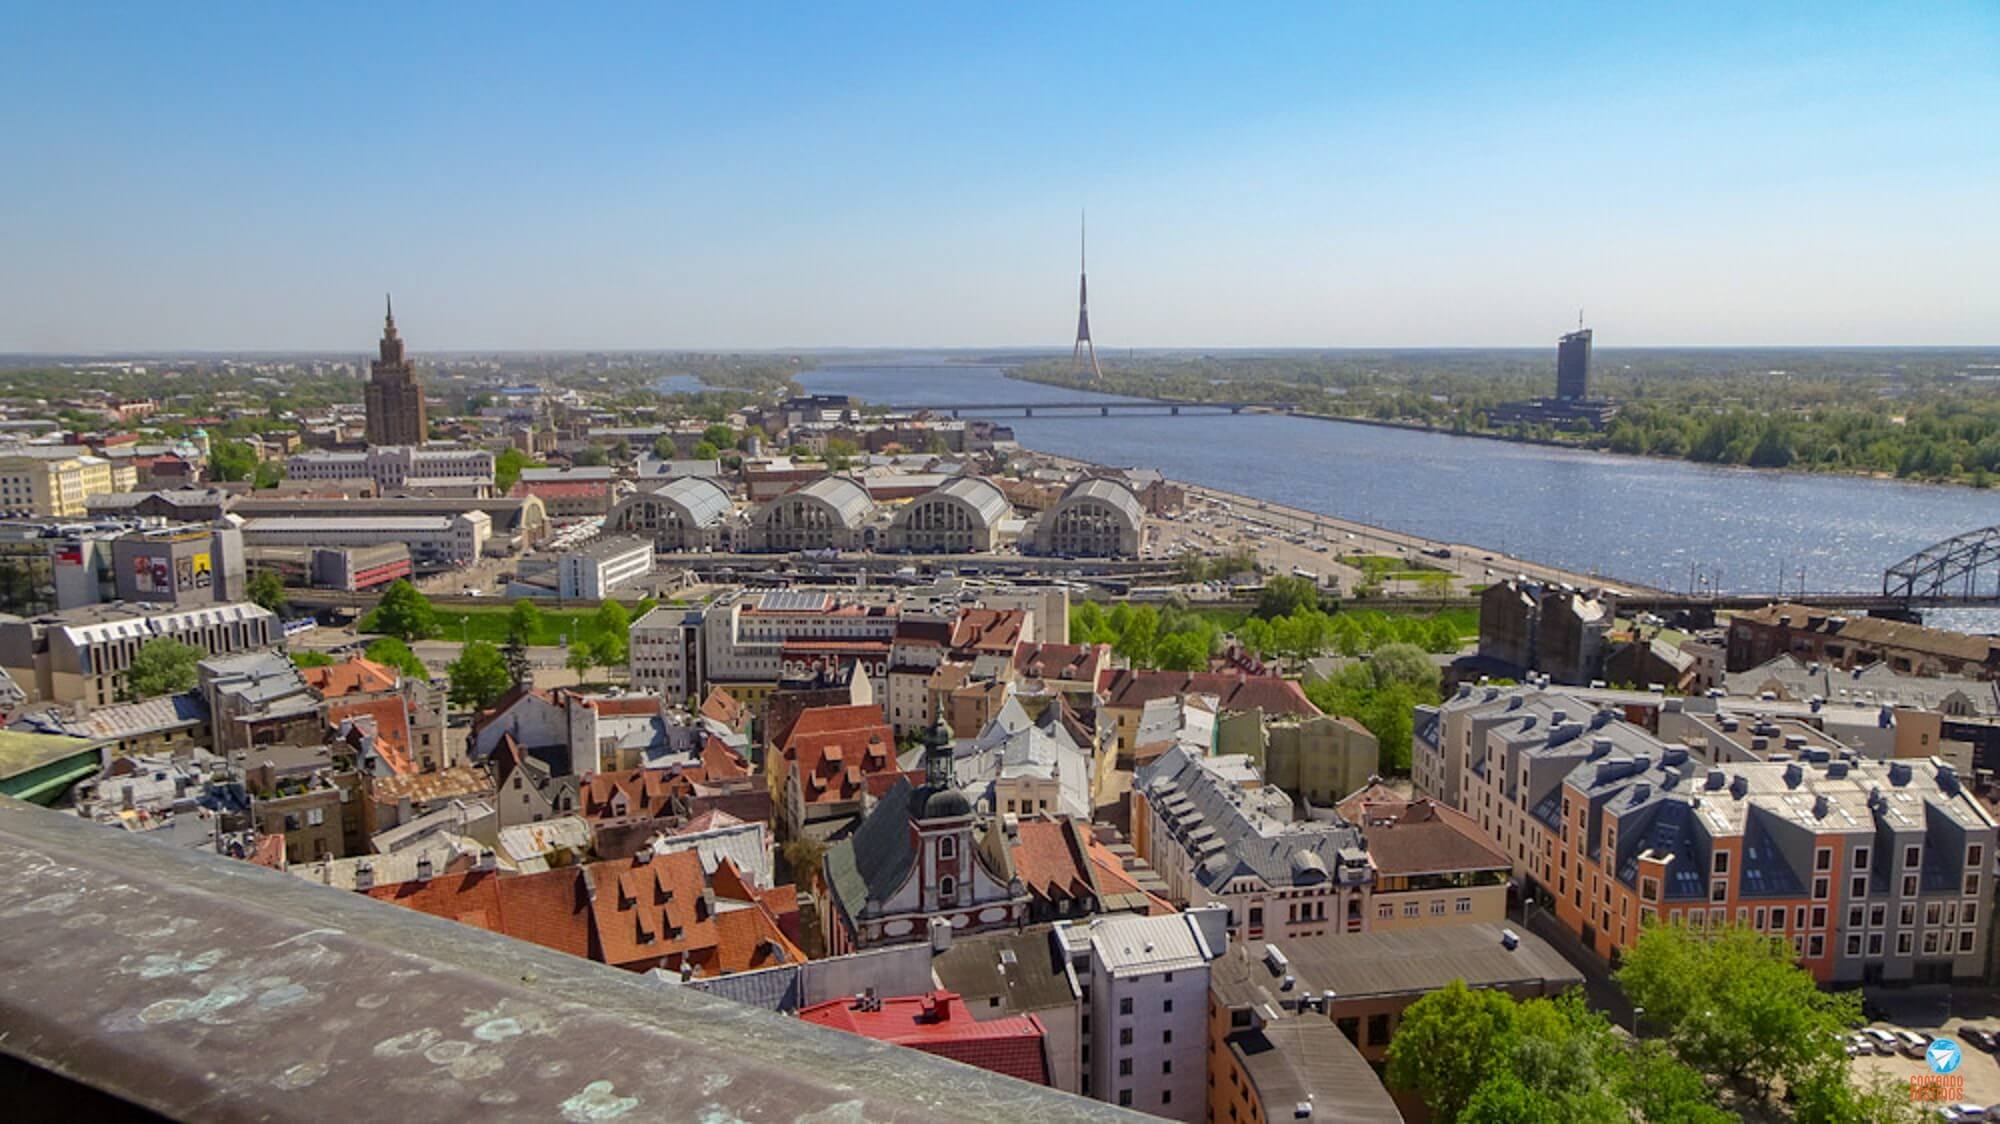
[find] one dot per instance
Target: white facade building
(594, 569)
(451, 540)
(392, 467)
(1146, 1005)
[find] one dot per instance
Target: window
(1758, 924)
(1816, 947)
(1930, 943)
(1722, 862)
(1906, 916)
(1933, 913)
(1124, 1067)
(1877, 915)
(1823, 859)
(1965, 940)
(1167, 1066)
(1909, 885)
(1462, 905)
(1970, 913)
(1853, 944)
(1166, 1037)
(1860, 858)
(1912, 856)
(1854, 916)
(1972, 885)
(1125, 1097)
(1974, 855)
(1902, 944)
(1718, 891)
(1125, 1005)
(1384, 911)
(1166, 1096)
(1799, 918)
(1857, 886)
(1437, 908)
(1125, 1036)
(1874, 944)
(1378, 1029)
(1819, 889)
(948, 888)
(1168, 1006)
(1819, 917)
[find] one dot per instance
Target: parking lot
(1926, 1016)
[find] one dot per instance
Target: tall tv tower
(1083, 342)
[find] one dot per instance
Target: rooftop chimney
(423, 868)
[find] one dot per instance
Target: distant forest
(1918, 413)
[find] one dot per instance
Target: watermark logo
(1942, 1085)
(1943, 1055)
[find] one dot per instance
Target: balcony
(140, 981)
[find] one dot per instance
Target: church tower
(394, 397)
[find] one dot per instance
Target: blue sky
(763, 175)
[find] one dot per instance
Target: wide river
(1633, 518)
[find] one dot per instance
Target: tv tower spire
(1083, 341)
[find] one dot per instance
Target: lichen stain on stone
(62, 901)
(413, 1042)
(846, 1112)
(300, 1075)
(597, 1101)
(371, 1002)
(498, 1030)
(713, 1083)
(447, 1051)
(475, 1067)
(716, 1114)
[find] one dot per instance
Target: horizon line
(775, 349)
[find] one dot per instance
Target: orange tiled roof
(390, 719)
(647, 912)
(460, 780)
(646, 793)
(354, 676)
(723, 707)
(989, 630)
(1050, 860)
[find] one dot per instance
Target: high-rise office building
(1573, 365)
(395, 397)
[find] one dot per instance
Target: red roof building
(940, 1023)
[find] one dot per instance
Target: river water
(1637, 519)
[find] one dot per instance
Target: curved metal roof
(849, 501)
(988, 503)
(702, 501)
(1105, 491)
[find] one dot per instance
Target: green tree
(664, 447)
(613, 628)
(719, 436)
(268, 474)
(1285, 595)
(1449, 1043)
(1735, 1002)
(311, 659)
(162, 666)
(232, 460)
(525, 623)
(478, 675)
(403, 613)
(582, 657)
(703, 451)
(840, 452)
(1181, 651)
(266, 588)
(392, 652)
(591, 456)
(1404, 664)
(507, 468)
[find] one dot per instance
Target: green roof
(40, 767)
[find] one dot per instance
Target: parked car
(1978, 1035)
(1964, 1112)
(1885, 1043)
(1911, 1043)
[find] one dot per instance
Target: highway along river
(1633, 518)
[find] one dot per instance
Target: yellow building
(1433, 866)
(51, 481)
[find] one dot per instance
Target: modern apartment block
(81, 655)
(1872, 869)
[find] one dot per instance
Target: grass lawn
(489, 623)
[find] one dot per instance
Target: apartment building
(1872, 869)
(81, 655)
(433, 540)
(592, 571)
(1145, 1007)
(1219, 835)
(51, 480)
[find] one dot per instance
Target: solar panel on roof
(793, 601)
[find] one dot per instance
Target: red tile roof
(1130, 689)
(723, 707)
(547, 909)
(1074, 662)
(559, 489)
(1051, 860)
(645, 794)
(1419, 836)
(389, 719)
(354, 676)
(989, 630)
(940, 1023)
(837, 751)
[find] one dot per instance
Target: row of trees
(1727, 1013)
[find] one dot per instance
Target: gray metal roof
(987, 503)
(701, 501)
(1232, 832)
(848, 500)
(1102, 490)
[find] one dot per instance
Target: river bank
(1968, 482)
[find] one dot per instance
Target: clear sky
(759, 175)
